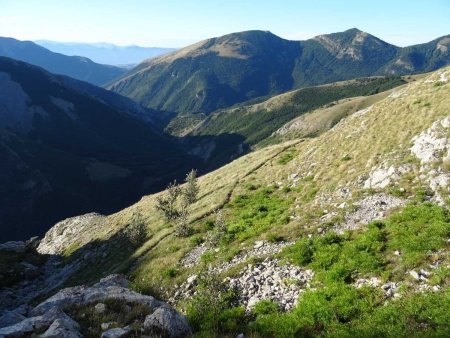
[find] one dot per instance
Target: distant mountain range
(105, 53)
(68, 147)
(219, 72)
(78, 67)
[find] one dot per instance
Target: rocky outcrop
(111, 287)
(71, 231)
(49, 316)
(432, 148)
(382, 176)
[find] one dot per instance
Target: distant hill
(220, 72)
(68, 147)
(78, 67)
(105, 53)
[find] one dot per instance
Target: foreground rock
(165, 321)
(49, 316)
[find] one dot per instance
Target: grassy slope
(383, 133)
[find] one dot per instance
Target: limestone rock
(63, 328)
(68, 232)
(100, 308)
(167, 322)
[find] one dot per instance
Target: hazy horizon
(174, 24)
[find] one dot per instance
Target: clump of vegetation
(287, 157)
(212, 312)
(118, 313)
(174, 205)
(251, 214)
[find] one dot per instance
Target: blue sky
(175, 23)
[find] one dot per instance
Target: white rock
(414, 275)
(100, 308)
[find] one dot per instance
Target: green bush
(211, 311)
(265, 307)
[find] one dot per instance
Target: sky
(176, 23)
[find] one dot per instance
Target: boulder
(166, 321)
(100, 308)
(63, 328)
(29, 325)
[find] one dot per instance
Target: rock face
(49, 316)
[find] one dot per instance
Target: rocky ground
(370, 208)
(281, 283)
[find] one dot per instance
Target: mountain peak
(353, 43)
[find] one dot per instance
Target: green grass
(251, 214)
(336, 308)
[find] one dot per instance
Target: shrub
(265, 307)
(212, 310)
(136, 231)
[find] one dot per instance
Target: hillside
(77, 67)
(105, 53)
(341, 234)
(220, 72)
(67, 147)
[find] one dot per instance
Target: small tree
(136, 231)
(181, 222)
(219, 230)
(177, 211)
(191, 190)
(167, 203)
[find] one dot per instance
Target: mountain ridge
(222, 71)
(80, 68)
(105, 53)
